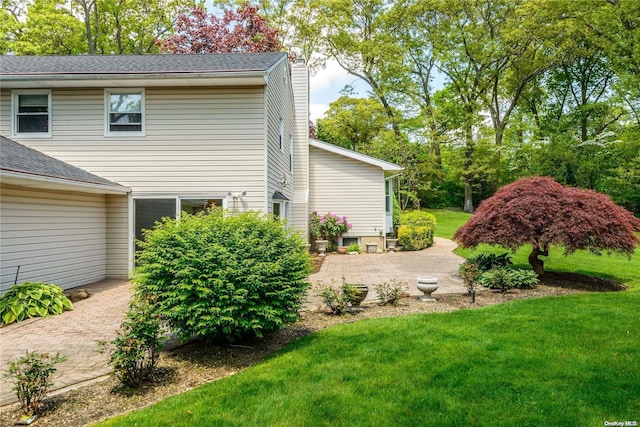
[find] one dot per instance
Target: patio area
(75, 334)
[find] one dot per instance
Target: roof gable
(384, 165)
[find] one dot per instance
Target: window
(276, 211)
(388, 199)
(291, 154)
(125, 112)
(281, 135)
(346, 241)
(32, 113)
(148, 211)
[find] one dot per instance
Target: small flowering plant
(328, 227)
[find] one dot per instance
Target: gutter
(52, 182)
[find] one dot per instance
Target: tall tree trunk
(468, 197)
(467, 174)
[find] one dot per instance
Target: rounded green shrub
(416, 230)
(32, 299)
(223, 276)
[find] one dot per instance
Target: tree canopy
(466, 95)
(541, 212)
(242, 30)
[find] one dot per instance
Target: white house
(96, 148)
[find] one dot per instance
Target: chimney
(300, 82)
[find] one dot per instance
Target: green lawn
(553, 361)
(569, 360)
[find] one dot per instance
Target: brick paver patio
(75, 334)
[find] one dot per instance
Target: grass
(550, 361)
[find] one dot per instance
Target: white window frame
(15, 95)
(107, 112)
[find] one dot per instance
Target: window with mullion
(125, 112)
(32, 113)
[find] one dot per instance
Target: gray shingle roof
(15, 157)
(137, 64)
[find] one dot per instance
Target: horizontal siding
(347, 187)
(198, 141)
(279, 105)
(54, 237)
(300, 80)
(117, 229)
(5, 112)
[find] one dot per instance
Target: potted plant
(342, 249)
(328, 227)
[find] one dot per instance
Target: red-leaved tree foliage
(243, 30)
(542, 212)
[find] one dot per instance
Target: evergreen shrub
(416, 230)
(224, 276)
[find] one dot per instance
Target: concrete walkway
(75, 334)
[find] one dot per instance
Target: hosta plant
(32, 299)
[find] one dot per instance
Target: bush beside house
(416, 230)
(219, 276)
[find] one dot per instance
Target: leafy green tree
(356, 34)
(49, 29)
(352, 123)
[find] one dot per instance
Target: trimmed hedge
(416, 230)
(222, 276)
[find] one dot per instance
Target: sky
(325, 86)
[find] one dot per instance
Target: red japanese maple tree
(542, 212)
(243, 30)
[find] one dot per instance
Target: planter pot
(342, 249)
(372, 248)
(427, 285)
(391, 244)
(321, 247)
(363, 290)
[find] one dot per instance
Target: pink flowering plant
(328, 227)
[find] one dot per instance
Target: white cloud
(329, 77)
(325, 87)
(316, 111)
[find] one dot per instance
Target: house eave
(384, 165)
(45, 182)
(72, 80)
